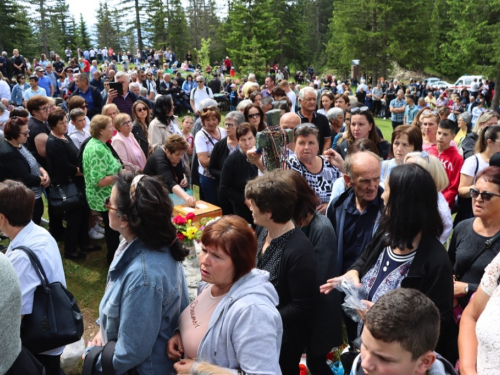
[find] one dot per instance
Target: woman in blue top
(188, 84)
(146, 289)
(19, 89)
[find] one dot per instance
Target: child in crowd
(399, 336)
(76, 128)
(450, 158)
(233, 97)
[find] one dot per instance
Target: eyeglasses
(107, 204)
(141, 109)
(199, 81)
(485, 196)
(229, 125)
(127, 122)
(46, 109)
(359, 109)
(254, 115)
(83, 106)
(26, 133)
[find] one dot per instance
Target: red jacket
(452, 162)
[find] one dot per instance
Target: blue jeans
(209, 187)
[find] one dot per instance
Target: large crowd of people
(349, 206)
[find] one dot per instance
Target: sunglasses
(254, 115)
(279, 102)
(141, 109)
(359, 109)
(199, 81)
(107, 204)
(485, 196)
(83, 106)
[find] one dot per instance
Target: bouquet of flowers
(187, 230)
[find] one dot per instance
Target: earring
(121, 226)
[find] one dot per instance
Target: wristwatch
(466, 288)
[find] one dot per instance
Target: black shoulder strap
(487, 245)
(91, 360)
(208, 93)
(107, 358)
(35, 262)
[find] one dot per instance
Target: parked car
(432, 80)
(441, 84)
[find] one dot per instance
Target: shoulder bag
(56, 319)
(64, 198)
(487, 245)
(106, 352)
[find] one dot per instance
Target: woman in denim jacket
(18, 90)
(146, 288)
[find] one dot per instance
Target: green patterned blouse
(98, 162)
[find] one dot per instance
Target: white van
(464, 82)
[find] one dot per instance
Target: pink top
(193, 322)
(129, 151)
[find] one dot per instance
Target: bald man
(290, 120)
(355, 213)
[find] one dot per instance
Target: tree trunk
(138, 24)
(374, 48)
(496, 97)
(43, 28)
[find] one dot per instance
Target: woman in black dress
(62, 160)
(237, 171)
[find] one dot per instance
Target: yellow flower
(191, 232)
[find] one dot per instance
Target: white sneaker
(385, 118)
(93, 234)
(99, 229)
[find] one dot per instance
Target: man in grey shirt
(377, 94)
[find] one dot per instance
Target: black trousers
(112, 237)
(38, 211)
(77, 229)
(52, 363)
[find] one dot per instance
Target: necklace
(279, 235)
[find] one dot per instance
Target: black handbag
(65, 198)
(107, 352)
(56, 319)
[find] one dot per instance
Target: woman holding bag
(62, 159)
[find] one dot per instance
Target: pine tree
(177, 29)
(83, 35)
(106, 33)
(253, 58)
(155, 25)
(136, 8)
(249, 19)
(16, 29)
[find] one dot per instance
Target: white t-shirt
(38, 240)
(78, 137)
(293, 98)
(71, 127)
(203, 142)
(198, 95)
(470, 164)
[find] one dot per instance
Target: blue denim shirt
(145, 294)
(17, 94)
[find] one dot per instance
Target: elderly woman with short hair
(316, 169)
(464, 121)
(100, 165)
(205, 141)
(17, 163)
(126, 146)
(336, 118)
(238, 170)
(285, 252)
(221, 151)
(166, 162)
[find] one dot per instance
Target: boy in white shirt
(76, 128)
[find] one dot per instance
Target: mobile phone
(116, 86)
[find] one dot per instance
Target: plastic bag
(353, 298)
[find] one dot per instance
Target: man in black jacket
(91, 95)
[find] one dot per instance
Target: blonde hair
(107, 106)
(432, 165)
(120, 119)
(485, 116)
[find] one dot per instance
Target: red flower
(179, 220)
(190, 216)
(180, 236)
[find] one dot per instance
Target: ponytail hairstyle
(488, 133)
(144, 203)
